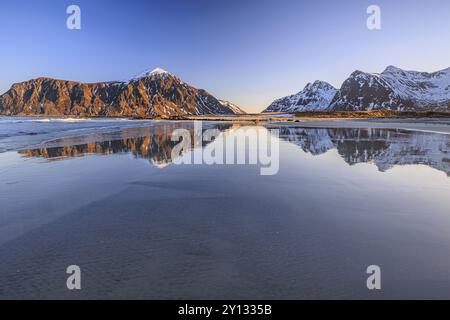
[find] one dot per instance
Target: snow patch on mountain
(422, 87)
(232, 106)
(149, 73)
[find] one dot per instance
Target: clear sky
(246, 51)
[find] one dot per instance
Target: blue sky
(249, 51)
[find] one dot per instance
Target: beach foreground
(348, 194)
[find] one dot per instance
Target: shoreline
(425, 125)
(375, 114)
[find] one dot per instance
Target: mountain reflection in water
(152, 143)
(383, 147)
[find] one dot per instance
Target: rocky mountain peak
(392, 69)
(318, 84)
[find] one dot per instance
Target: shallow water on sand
(22, 132)
(140, 226)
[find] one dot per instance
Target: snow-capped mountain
(152, 93)
(394, 89)
(314, 97)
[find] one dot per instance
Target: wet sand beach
(347, 195)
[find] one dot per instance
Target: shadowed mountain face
(155, 93)
(384, 148)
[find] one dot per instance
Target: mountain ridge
(393, 89)
(150, 94)
(159, 93)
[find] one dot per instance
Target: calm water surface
(110, 200)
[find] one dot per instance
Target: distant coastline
(294, 116)
(269, 116)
